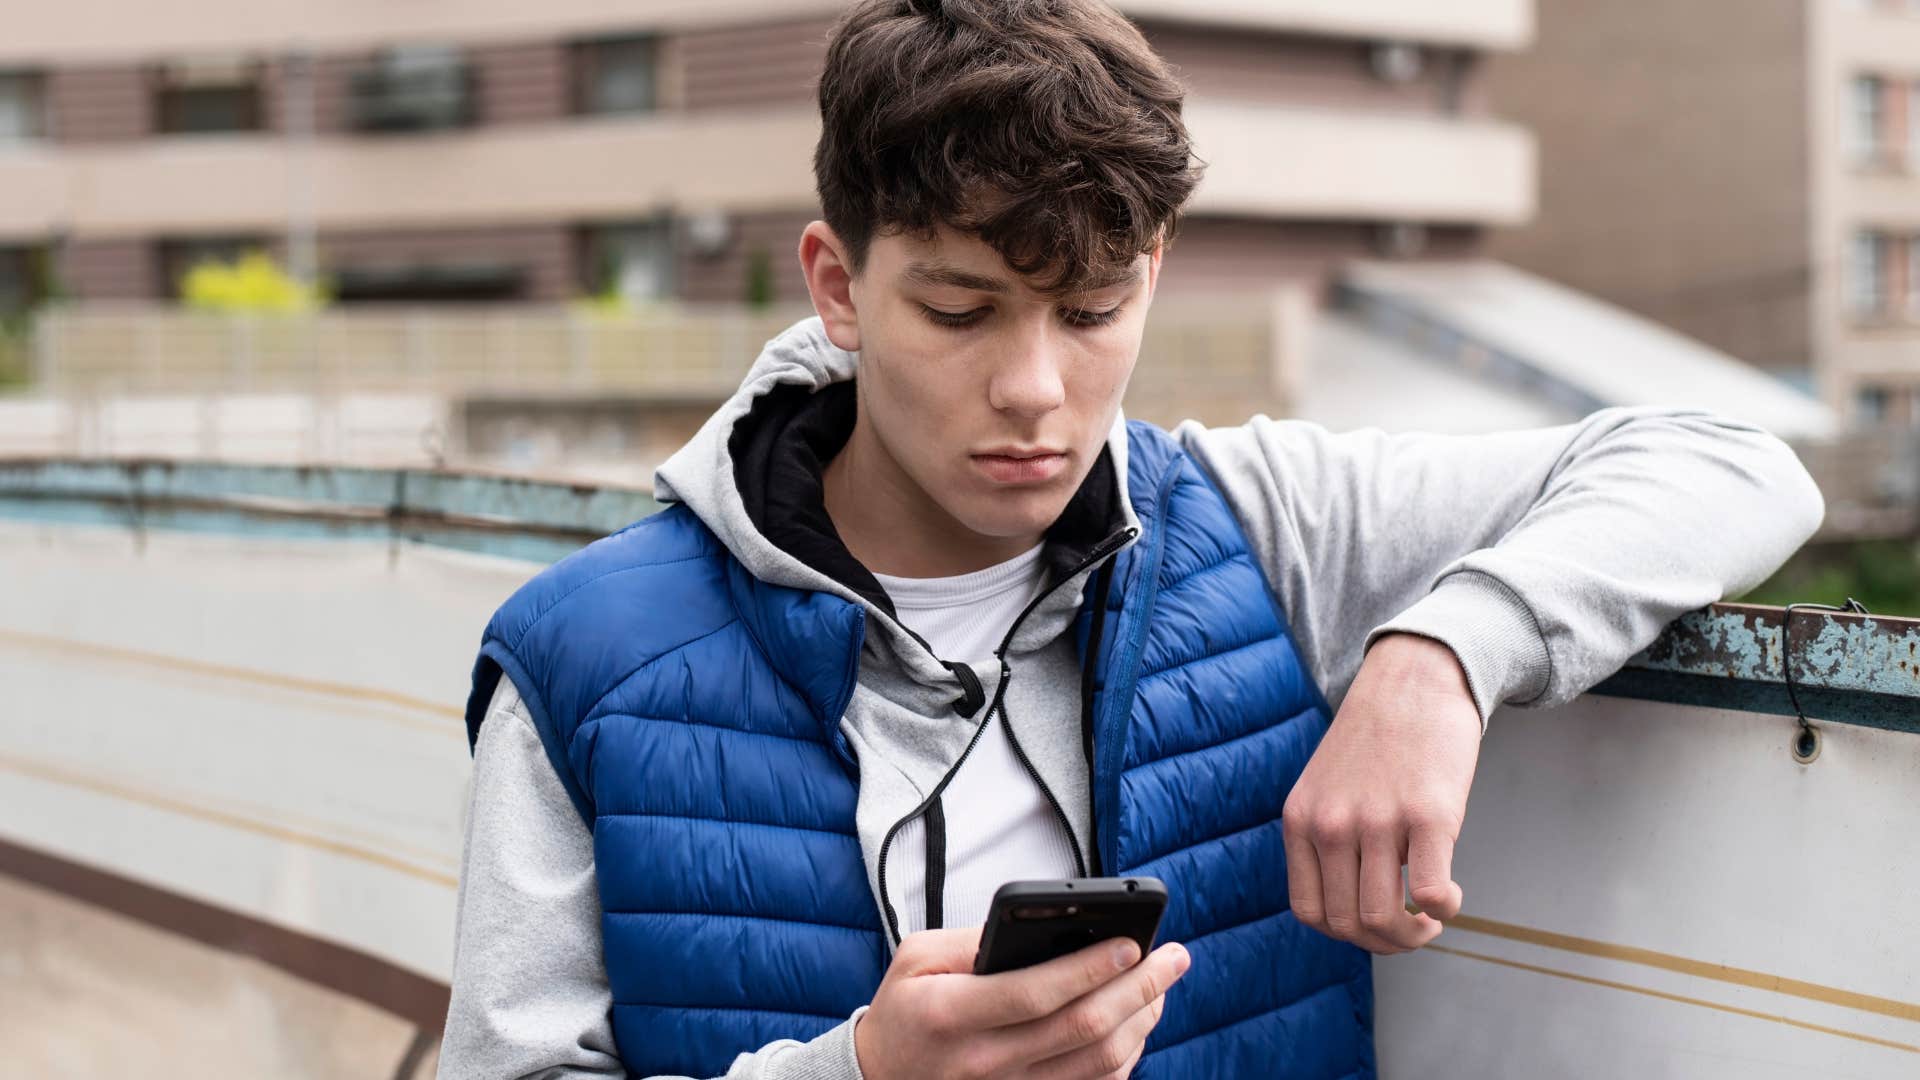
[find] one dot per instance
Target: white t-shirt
(1000, 827)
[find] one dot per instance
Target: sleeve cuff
(1491, 632)
(829, 1056)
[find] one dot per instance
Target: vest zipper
(1100, 551)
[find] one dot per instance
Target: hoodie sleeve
(530, 994)
(1544, 559)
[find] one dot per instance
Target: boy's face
(993, 400)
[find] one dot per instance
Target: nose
(1029, 381)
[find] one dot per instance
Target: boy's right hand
(1080, 1016)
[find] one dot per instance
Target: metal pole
(299, 106)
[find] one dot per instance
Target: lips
(1018, 466)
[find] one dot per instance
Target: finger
(1383, 903)
(1113, 1055)
(935, 952)
(1340, 887)
(1097, 1015)
(1015, 997)
(1303, 879)
(1430, 872)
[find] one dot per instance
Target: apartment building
(1746, 171)
(449, 150)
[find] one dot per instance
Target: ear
(1153, 267)
(830, 281)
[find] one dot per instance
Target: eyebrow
(934, 274)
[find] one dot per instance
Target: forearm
(1649, 517)
(1543, 559)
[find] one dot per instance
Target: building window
(17, 285)
(1910, 303)
(618, 75)
(414, 88)
(212, 95)
(22, 107)
(1870, 405)
(633, 261)
(1869, 263)
(1867, 120)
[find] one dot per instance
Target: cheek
(914, 399)
(1104, 374)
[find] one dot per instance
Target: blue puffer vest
(692, 711)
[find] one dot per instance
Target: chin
(1011, 514)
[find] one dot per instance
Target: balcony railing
(682, 351)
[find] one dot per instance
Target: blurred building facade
(446, 150)
(459, 169)
(1745, 171)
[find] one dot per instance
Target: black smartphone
(1031, 922)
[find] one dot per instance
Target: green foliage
(14, 345)
(254, 282)
(1882, 574)
(759, 292)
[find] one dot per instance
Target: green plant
(759, 291)
(1882, 574)
(15, 362)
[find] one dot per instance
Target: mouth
(1016, 465)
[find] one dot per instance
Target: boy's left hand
(1386, 788)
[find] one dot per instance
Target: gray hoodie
(1543, 559)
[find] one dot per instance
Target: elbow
(1807, 500)
(1781, 493)
(1781, 507)
(1789, 489)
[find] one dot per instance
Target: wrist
(1499, 644)
(862, 1054)
(1415, 655)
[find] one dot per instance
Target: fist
(1386, 788)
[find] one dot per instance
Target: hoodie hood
(752, 475)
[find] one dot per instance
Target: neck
(892, 526)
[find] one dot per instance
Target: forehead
(953, 259)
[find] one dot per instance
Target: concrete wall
(1674, 164)
(270, 728)
(1226, 255)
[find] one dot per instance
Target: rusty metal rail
(1859, 669)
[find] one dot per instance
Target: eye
(953, 318)
(1084, 317)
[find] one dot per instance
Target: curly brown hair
(1048, 128)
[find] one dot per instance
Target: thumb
(938, 952)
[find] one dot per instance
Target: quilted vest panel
(692, 713)
(1200, 689)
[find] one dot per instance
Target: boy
(924, 615)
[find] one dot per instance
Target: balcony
(1670, 865)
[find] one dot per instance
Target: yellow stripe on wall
(1758, 980)
(1663, 995)
(269, 679)
(69, 778)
